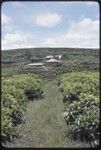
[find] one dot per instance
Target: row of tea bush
(81, 98)
(16, 92)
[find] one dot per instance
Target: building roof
(51, 56)
(52, 60)
(35, 64)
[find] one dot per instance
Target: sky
(49, 24)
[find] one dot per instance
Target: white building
(49, 57)
(53, 60)
(58, 56)
(36, 64)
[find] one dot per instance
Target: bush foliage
(81, 97)
(16, 92)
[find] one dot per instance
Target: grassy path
(45, 126)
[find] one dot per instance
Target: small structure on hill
(58, 56)
(55, 57)
(53, 62)
(49, 57)
(35, 65)
(46, 63)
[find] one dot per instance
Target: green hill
(74, 59)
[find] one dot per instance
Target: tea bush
(81, 97)
(14, 102)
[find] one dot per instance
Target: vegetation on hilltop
(14, 61)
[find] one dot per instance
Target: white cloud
(84, 33)
(17, 39)
(70, 3)
(17, 4)
(7, 24)
(92, 3)
(47, 20)
(5, 20)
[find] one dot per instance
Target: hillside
(66, 94)
(14, 61)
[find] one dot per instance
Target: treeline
(15, 61)
(22, 55)
(16, 92)
(81, 100)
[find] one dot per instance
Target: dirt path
(45, 126)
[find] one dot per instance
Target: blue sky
(50, 24)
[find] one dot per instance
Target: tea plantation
(54, 108)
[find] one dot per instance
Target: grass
(45, 126)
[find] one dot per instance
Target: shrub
(16, 91)
(81, 94)
(79, 82)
